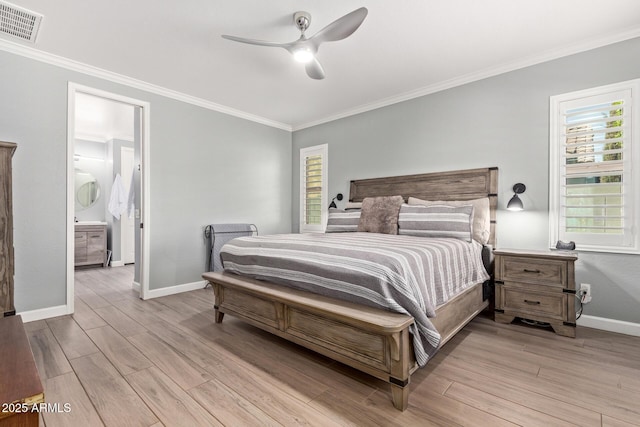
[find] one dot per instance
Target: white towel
(118, 201)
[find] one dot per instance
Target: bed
(373, 340)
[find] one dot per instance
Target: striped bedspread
(405, 274)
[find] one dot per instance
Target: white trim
(38, 55)
(176, 289)
(630, 169)
(117, 263)
(611, 325)
(69, 64)
(554, 171)
(145, 200)
(43, 313)
(62, 310)
(479, 75)
(71, 125)
(145, 174)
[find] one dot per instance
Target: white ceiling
(404, 48)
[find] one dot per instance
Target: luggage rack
(216, 235)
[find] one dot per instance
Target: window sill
(604, 249)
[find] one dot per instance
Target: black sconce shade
(515, 204)
(333, 201)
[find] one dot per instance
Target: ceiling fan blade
(341, 28)
(314, 69)
(256, 42)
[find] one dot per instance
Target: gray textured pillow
(436, 221)
(481, 214)
(343, 221)
(380, 214)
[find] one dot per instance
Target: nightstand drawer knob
(532, 302)
(526, 270)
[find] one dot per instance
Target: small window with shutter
(313, 188)
(594, 168)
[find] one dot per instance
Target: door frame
(145, 107)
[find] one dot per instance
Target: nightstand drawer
(534, 302)
(547, 272)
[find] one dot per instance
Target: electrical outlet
(585, 293)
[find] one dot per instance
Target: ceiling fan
(305, 49)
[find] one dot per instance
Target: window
(595, 167)
(313, 188)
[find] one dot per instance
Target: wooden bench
(20, 386)
(372, 340)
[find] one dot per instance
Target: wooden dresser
(21, 388)
(90, 245)
(536, 285)
(6, 230)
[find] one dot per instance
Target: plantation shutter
(313, 194)
(313, 190)
(595, 185)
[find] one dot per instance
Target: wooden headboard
(453, 185)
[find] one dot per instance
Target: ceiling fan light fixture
(304, 49)
(303, 55)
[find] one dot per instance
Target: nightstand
(536, 285)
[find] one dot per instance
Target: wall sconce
(515, 204)
(333, 201)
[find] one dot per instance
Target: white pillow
(481, 214)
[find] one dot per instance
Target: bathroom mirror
(87, 190)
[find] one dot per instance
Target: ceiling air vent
(19, 22)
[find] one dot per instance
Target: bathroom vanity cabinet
(91, 245)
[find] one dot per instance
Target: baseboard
(62, 310)
(44, 313)
(611, 325)
(170, 290)
(116, 263)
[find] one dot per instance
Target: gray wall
(212, 168)
(205, 167)
(500, 121)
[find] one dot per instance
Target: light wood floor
(120, 361)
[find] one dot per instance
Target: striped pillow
(436, 221)
(481, 214)
(342, 221)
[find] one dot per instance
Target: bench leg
(401, 361)
(400, 396)
(217, 290)
(218, 314)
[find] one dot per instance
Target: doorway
(125, 157)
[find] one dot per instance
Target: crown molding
(480, 75)
(38, 55)
(69, 64)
